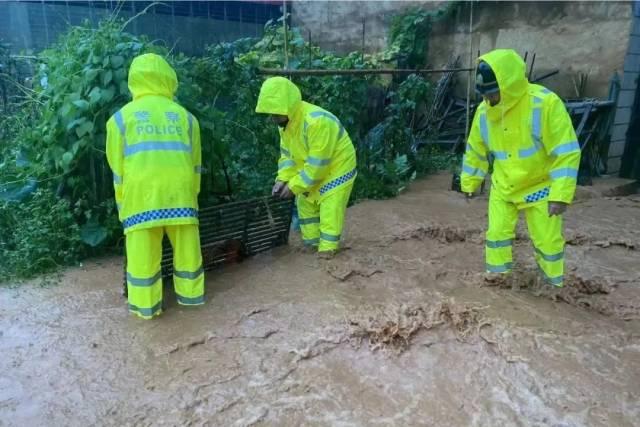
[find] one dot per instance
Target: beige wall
(337, 25)
(587, 37)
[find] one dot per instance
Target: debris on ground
(395, 328)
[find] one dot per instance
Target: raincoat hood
(279, 96)
(509, 69)
(150, 74)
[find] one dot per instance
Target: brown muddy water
(401, 328)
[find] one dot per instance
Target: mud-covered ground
(402, 328)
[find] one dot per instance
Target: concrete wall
(628, 90)
(592, 38)
(588, 37)
(574, 37)
(337, 25)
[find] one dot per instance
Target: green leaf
(84, 128)
(95, 95)
(121, 74)
(75, 123)
(107, 94)
(81, 104)
(65, 110)
(81, 143)
(298, 41)
(124, 88)
(93, 234)
(67, 158)
(294, 64)
(91, 74)
(117, 61)
(107, 77)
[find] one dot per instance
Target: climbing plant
(409, 34)
(57, 144)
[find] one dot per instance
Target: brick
(632, 63)
(619, 132)
(629, 81)
(613, 165)
(634, 44)
(623, 115)
(616, 149)
(626, 98)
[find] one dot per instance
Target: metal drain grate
(233, 231)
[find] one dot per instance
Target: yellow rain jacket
(153, 149)
(317, 156)
(528, 136)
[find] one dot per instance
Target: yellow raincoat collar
(279, 96)
(150, 74)
(509, 69)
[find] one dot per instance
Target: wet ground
(402, 328)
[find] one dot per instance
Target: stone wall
(596, 39)
(337, 25)
(575, 37)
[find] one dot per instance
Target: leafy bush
(55, 144)
(38, 235)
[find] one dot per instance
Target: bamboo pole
(466, 129)
(286, 36)
(320, 72)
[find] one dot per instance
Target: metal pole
(363, 37)
(533, 61)
(466, 129)
(310, 49)
(46, 24)
(284, 26)
(333, 72)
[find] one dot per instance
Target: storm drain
(233, 231)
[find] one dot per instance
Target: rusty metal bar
(319, 72)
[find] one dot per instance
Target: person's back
(156, 151)
(153, 148)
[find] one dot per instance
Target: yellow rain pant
(322, 222)
(545, 233)
(144, 278)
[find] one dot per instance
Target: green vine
(53, 154)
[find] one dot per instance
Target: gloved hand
(557, 208)
(277, 188)
(286, 193)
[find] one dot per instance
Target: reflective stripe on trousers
(545, 233)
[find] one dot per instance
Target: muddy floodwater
(402, 328)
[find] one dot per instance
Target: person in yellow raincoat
(153, 149)
(317, 162)
(525, 132)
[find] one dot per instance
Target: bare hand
(557, 208)
(286, 193)
(468, 197)
(277, 188)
